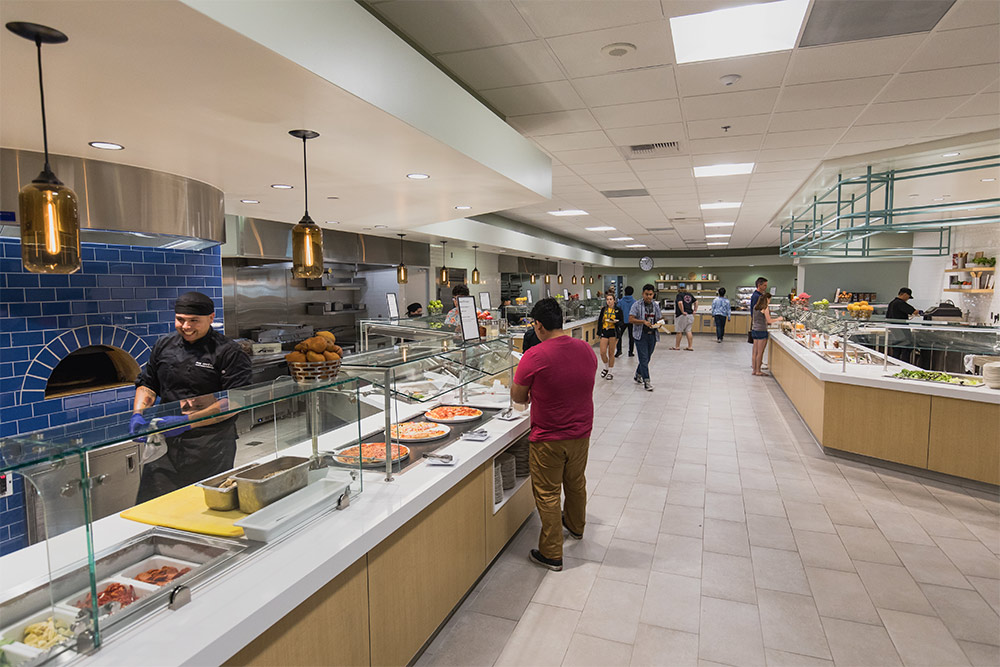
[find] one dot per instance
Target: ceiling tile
(982, 104)
(750, 142)
(503, 66)
(581, 54)
(802, 138)
(647, 134)
(955, 126)
(442, 25)
(640, 113)
(573, 141)
(806, 166)
(848, 149)
(957, 48)
(658, 163)
(534, 98)
(814, 119)
(891, 112)
(709, 129)
(724, 158)
(617, 167)
(730, 105)
(851, 60)
(835, 21)
(762, 71)
(969, 13)
(626, 87)
(558, 122)
(549, 18)
(776, 154)
(938, 83)
(830, 94)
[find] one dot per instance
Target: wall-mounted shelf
(971, 291)
(969, 269)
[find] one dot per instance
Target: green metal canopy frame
(842, 221)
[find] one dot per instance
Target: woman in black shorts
(610, 324)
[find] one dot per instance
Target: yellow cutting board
(185, 509)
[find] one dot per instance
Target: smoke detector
(618, 49)
(729, 79)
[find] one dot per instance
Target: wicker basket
(314, 371)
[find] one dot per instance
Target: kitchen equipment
(185, 510)
(218, 498)
(945, 312)
(261, 485)
(278, 517)
(261, 349)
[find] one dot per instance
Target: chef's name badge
(204, 364)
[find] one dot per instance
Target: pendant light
(443, 276)
(402, 273)
(533, 278)
(559, 268)
(475, 267)
(307, 237)
(574, 273)
(50, 219)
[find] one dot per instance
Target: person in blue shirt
(645, 318)
(721, 313)
(625, 303)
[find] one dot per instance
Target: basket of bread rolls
(316, 358)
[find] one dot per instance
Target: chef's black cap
(194, 303)
(906, 290)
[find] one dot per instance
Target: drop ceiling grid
(792, 110)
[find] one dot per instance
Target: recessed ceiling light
(600, 229)
(720, 205)
(719, 224)
(381, 226)
(718, 243)
(250, 201)
(636, 245)
(717, 236)
(569, 211)
(106, 145)
(332, 222)
(618, 49)
(986, 180)
(738, 31)
(418, 177)
(724, 170)
(914, 195)
(332, 197)
(955, 154)
(939, 199)
(462, 208)
(621, 238)
(281, 186)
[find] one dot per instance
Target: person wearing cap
(898, 308)
(415, 310)
(189, 366)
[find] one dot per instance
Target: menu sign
(484, 301)
(566, 294)
(529, 296)
(467, 318)
(588, 295)
(393, 305)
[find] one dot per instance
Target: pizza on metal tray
(417, 430)
(371, 452)
(450, 412)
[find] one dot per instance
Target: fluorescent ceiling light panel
(719, 224)
(569, 211)
(636, 245)
(601, 229)
(720, 205)
(621, 238)
(718, 243)
(724, 170)
(738, 31)
(717, 236)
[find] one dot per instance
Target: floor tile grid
(685, 444)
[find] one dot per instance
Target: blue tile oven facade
(122, 297)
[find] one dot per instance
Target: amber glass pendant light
(443, 276)
(402, 273)
(50, 218)
(533, 278)
(307, 237)
(574, 273)
(475, 265)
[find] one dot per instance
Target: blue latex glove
(172, 420)
(137, 423)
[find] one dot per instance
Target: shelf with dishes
(973, 269)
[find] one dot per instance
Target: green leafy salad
(936, 376)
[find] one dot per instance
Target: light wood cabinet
(964, 439)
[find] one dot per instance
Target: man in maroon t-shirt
(557, 377)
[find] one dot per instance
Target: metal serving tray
(255, 492)
(222, 499)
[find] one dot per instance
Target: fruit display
(311, 358)
(435, 307)
(521, 300)
(860, 310)
(822, 304)
(844, 297)
(483, 315)
(937, 376)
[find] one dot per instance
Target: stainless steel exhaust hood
(121, 204)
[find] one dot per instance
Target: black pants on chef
(191, 457)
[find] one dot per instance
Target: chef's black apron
(177, 370)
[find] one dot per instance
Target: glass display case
(99, 562)
(474, 375)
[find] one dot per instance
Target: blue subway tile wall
(121, 294)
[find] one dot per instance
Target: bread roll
(336, 348)
(316, 344)
(302, 347)
(314, 356)
(295, 356)
(331, 356)
(328, 335)
(330, 346)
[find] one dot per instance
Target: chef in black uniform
(189, 366)
(898, 308)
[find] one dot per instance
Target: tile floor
(719, 533)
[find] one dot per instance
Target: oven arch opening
(92, 368)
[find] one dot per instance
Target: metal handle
(130, 463)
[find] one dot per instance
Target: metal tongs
(478, 435)
(446, 458)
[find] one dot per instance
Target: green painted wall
(782, 277)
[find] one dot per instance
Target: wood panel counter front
(946, 428)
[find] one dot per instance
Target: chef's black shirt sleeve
(235, 365)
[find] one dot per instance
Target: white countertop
(874, 376)
(229, 611)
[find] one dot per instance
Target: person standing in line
(643, 318)
(189, 366)
(625, 304)
(557, 378)
(451, 319)
(610, 324)
(760, 318)
(684, 306)
(761, 284)
(721, 313)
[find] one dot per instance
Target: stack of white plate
(991, 374)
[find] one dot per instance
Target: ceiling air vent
(688, 219)
(618, 194)
(659, 229)
(647, 151)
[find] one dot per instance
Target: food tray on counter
(279, 517)
(218, 498)
(345, 457)
(261, 485)
(963, 380)
(457, 419)
(441, 431)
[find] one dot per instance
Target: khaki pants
(556, 465)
